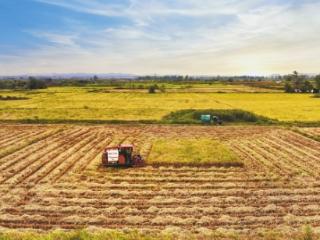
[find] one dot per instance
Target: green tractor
(210, 119)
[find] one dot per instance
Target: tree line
(156, 81)
(297, 83)
(30, 83)
(292, 83)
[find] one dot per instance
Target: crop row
(282, 152)
(157, 221)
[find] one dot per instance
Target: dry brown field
(51, 177)
(311, 131)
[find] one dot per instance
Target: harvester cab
(121, 156)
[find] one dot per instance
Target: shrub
(10, 98)
(308, 234)
(154, 88)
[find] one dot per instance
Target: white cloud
(56, 38)
(91, 6)
(187, 37)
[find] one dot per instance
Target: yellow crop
(72, 103)
(194, 152)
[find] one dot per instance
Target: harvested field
(50, 176)
(312, 132)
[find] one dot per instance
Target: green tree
(317, 80)
(288, 87)
(162, 88)
(34, 83)
(152, 89)
(298, 81)
(307, 86)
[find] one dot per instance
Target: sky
(194, 37)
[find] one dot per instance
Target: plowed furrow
(298, 141)
(272, 167)
(300, 160)
(249, 160)
(27, 167)
(96, 151)
(19, 154)
(88, 153)
(267, 155)
(15, 138)
(54, 160)
(297, 167)
(301, 150)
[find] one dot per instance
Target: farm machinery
(121, 156)
(209, 119)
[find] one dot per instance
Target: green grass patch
(226, 115)
(82, 235)
(192, 152)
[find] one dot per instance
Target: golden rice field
(86, 104)
(192, 152)
(51, 177)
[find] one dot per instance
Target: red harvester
(121, 156)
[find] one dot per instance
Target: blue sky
(159, 36)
